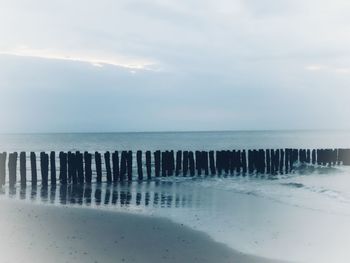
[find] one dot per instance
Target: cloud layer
(173, 65)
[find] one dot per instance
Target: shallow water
(304, 216)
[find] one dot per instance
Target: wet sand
(46, 233)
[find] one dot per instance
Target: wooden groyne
(79, 168)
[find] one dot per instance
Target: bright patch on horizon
(94, 61)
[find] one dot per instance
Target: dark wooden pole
(148, 164)
(33, 168)
(139, 165)
(98, 163)
(107, 156)
(123, 164)
(178, 163)
(87, 166)
(63, 168)
(157, 163)
(129, 164)
(12, 166)
(3, 168)
(23, 168)
(79, 161)
(212, 163)
(53, 167)
(115, 163)
(44, 165)
(185, 163)
(191, 163)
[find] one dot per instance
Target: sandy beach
(44, 233)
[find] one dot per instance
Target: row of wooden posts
(76, 168)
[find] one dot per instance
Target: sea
(303, 216)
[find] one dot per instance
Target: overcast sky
(124, 65)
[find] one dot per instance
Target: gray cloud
(219, 65)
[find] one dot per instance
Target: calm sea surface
(303, 216)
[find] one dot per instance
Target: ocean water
(302, 217)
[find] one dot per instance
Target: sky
(160, 65)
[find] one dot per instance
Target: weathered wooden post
(212, 163)
(218, 163)
(238, 161)
(191, 163)
(157, 163)
(63, 168)
(115, 163)
(286, 160)
(87, 166)
(3, 168)
(164, 164)
(123, 165)
(313, 156)
(250, 162)
(23, 168)
(79, 162)
(178, 163)
(53, 167)
(98, 163)
(139, 165)
(12, 166)
(107, 156)
(129, 164)
(205, 163)
(33, 168)
(198, 162)
(149, 165)
(281, 164)
(308, 156)
(268, 162)
(244, 162)
(171, 163)
(44, 165)
(185, 163)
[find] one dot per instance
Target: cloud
(95, 61)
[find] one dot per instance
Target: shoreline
(48, 233)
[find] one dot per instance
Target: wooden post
(33, 168)
(12, 166)
(191, 163)
(171, 163)
(218, 163)
(123, 164)
(185, 163)
(129, 164)
(238, 161)
(157, 163)
(107, 156)
(198, 162)
(308, 156)
(79, 162)
(164, 164)
(87, 166)
(313, 156)
(44, 165)
(205, 164)
(53, 167)
(281, 164)
(115, 163)
(3, 168)
(286, 159)
(23, 168)
(63, 168)
(244, 162)
(139, 165)
(212, 163)
(178, 163)
(268, 162)
(98, 163)
(148, 164)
